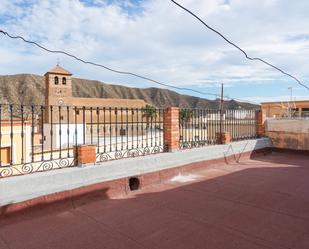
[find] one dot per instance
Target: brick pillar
(223, 138)
(260, 126)
(171, 129)
(84, 153)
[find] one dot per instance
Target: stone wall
(289, 133)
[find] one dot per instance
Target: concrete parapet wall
(25, 188)
(288, 133)
(288, 125)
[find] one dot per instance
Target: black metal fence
(200, 127)
(40, 138)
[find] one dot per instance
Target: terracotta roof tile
(58, 70)
(101, 102)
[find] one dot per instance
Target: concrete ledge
(113, 175)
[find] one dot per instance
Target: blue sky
(156, 39)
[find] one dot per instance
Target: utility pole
(290, 103)
(221, 112)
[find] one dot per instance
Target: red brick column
(171, 129)
(260, 126)
(223, 138)
(84, 153)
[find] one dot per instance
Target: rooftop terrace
(255, 203)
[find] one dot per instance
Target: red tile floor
(259, 203)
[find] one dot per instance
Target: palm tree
(186, 115)
(149, 112)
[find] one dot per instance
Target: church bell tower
(58, 83)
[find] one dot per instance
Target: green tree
(186, 115)
(149, 112)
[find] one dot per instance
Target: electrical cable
(117, 71)
(105, 67)
(240, 49)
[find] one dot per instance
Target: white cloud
(159, 40)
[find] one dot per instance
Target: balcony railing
(201, 127)
(39, 138)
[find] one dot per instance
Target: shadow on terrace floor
(300, 158)
(260, 203)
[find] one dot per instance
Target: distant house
(285, 108)
(15, 146)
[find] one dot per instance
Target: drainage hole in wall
(134, 183)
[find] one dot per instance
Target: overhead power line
(117, 71)
(240, 49)
(243, 100)
(105, 67)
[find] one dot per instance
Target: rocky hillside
(30, 89)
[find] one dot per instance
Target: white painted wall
(64, 137)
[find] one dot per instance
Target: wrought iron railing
(200, 127)
(126, 132)
(40, 138)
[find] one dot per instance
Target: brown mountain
(29, 89)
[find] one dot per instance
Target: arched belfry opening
(58, 82)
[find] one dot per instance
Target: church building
(85, 118)
(58, 82)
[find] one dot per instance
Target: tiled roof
(102, 102)
(59, 70)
